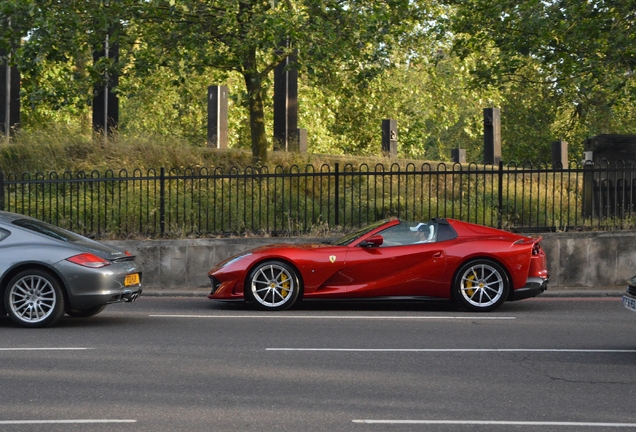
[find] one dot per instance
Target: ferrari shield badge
(332, 258)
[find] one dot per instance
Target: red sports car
(478, 266)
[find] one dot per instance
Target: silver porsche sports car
(46, 271)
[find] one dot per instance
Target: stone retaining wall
(575, 260)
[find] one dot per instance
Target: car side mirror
(373, 241)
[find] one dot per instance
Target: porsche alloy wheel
(481, 285)
(273, 285)
(34, 299)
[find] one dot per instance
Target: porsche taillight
(88, 260)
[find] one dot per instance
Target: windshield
(349, 238)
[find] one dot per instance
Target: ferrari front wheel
(481, 285)
(273, 285)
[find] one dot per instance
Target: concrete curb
(584, 293)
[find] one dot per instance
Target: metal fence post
(500, 197)
(337, 197)
(162, 201)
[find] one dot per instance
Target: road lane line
(493, 422)
(44, 349)
(341, 317)
(77, 421)
(467, 350)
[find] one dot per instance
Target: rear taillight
(88, 260)
(536, 249)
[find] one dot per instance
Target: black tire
(272, 285)
(34, 298)
(481, 285)
(85, 313)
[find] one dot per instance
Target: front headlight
(235, 259)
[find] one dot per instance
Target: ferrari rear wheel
(273, 285)
(481, 285)
(34, 298)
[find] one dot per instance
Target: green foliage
(175, 107)
(565, 69)
(55, 93)
(184, 40)
(558, 70)
(435, 108)
(249, 37)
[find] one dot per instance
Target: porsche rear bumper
(91, 287)
(534, 287)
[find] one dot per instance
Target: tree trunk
(257, 116)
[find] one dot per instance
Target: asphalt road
(190, 364)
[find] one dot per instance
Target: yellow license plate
(131, 279)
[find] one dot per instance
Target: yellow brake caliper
(469, 285)
(285, 285)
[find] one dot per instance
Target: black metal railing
(299, 200)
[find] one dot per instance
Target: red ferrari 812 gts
(478, 266)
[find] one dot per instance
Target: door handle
(437, 255)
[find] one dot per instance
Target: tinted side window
(408, 233)
(47, 229)
(396, 235)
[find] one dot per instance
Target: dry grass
(67, 149)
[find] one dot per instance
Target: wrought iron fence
(297, 200)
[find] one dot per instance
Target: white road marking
(492, 422)
(77, 421)
(342, 317)
(524, 350)
(44, 349)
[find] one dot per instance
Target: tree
(246, 36)
(55, 45)
(15, 23)
(579, 56)
(584, 42)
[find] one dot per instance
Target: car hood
(272, 249)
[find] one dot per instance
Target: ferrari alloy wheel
(481, 285)
(34, 298)
(85, 313)
(273, 285)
